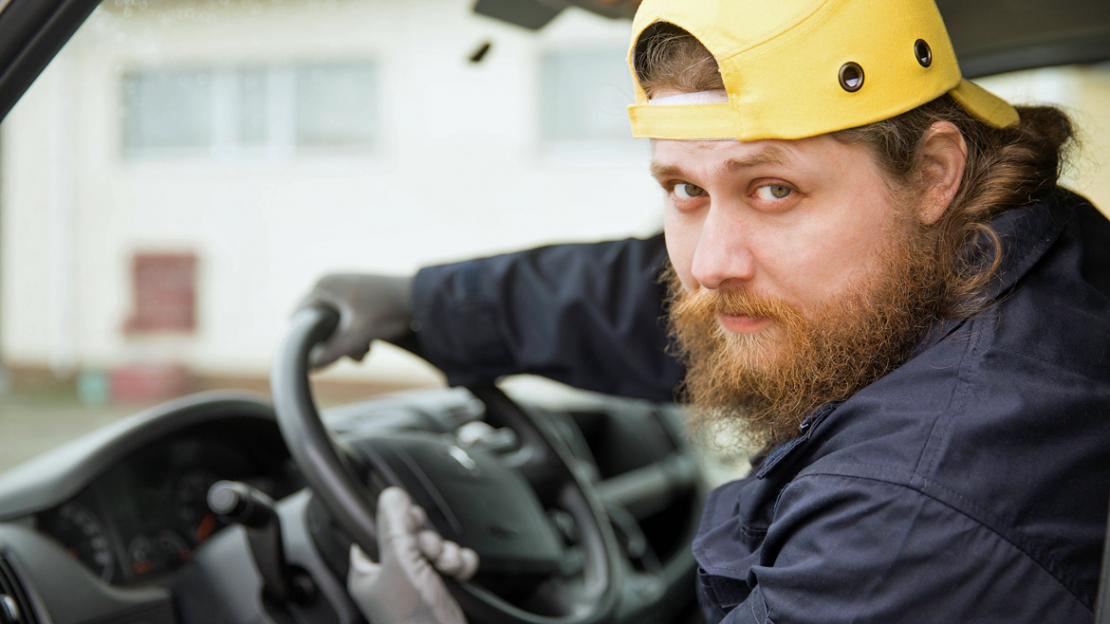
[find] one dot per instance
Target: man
(873, 282)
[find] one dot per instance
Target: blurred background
(185, 169)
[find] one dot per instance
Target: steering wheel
(476, 497)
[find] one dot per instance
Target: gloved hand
(370, 307)
(405, 588)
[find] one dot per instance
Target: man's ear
(942, 158)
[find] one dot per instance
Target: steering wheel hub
(471, 498)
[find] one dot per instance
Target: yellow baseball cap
(799, 68)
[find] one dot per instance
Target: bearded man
(874, 283)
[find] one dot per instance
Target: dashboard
(115, 526)
(144, 517)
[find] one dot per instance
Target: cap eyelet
(923, 52)
(851, 77)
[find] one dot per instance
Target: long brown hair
(1006, 168)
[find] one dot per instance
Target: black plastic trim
(15, 588)
(31, 34)
(1102, 601)
(1094, 50)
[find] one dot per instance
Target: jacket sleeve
(851, 549)
(589, 315)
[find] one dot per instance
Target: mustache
(706, 303)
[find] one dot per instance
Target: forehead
(812, 154)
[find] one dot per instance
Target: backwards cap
(799, 68)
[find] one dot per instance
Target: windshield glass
(184, 170)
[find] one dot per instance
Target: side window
(584, 94)
(250, 111)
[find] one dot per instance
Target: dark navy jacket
(969, 485)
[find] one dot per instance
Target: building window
(252, 107)
(151, 99)
(584, 96)
(249, 111)
(164, 292)
(336, 105)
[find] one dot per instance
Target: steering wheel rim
(335, 480)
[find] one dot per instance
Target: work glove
(405, 587)
(370, 307)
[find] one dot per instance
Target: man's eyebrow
(660, 171)
(770, 155)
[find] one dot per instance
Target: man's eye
(772, 192)
(685, 190)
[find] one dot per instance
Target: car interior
(233, 507)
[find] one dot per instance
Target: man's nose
(722, 252)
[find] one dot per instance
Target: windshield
(184, 170)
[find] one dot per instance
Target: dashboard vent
(15, 603)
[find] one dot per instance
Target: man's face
(797, 221)
(800, 275)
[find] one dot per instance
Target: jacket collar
(1026, 234)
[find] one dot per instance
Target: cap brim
(984, 105)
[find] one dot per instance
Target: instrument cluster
(146, 516)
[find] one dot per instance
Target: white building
(280, 140)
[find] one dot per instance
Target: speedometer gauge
(80, 531)
(152, 554)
